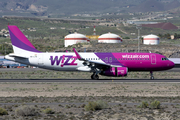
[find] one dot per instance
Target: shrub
(126, 38)
(93, 106)
(155, 105)
(48, 111)
(144, 104)
(3, 111)
(26, 111)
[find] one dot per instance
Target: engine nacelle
(115, 72)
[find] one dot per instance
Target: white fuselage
(56, 61)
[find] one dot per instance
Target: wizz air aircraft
(107, 64)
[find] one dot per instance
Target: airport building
(109, 38)
(75, 38)
(151, 40)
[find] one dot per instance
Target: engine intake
(115, 72)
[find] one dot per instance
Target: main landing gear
(94, 76)
(152, 77)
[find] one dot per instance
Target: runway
(85, 80)
(92, 81)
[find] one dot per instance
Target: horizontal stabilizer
(19, 56)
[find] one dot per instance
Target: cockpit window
(164, 58)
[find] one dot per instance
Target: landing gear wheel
(152, 77)
(94, 77)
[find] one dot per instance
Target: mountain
(172, 5)
(154, 5)
(68, 7)
(148, 6)
(14, 4)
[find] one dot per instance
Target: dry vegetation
(59, 101)
(48, 74)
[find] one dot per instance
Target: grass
(26, 111)
(155, 105)
(3, 111)
(48, 111)
(98, 105)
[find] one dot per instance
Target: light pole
(138, 26)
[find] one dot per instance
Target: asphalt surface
(83, 80)
(90, 81)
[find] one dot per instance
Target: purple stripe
(18, 43)
(104, 57)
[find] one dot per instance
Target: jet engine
(115, 71)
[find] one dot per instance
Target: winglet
(77, 54)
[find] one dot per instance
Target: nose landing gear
(152, 77)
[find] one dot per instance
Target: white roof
(109, 35)
(75, 35)
(151, 36)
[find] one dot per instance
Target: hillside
(154, 5)
(64, 7)
(172, 5)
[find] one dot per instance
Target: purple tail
(19, 41)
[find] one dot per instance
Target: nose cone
(170, 64)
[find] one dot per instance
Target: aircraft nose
(170, 64)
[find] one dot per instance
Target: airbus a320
(107, 64)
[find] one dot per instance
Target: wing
(93, 63)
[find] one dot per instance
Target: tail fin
(19, 41)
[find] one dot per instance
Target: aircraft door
(110, 59)
(40, 60)
(153, 59)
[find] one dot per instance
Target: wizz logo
(63, 60)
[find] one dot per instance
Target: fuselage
(69, 62)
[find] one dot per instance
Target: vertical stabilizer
(19, 41)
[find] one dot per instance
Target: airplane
(8, 64)
(107, 64)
